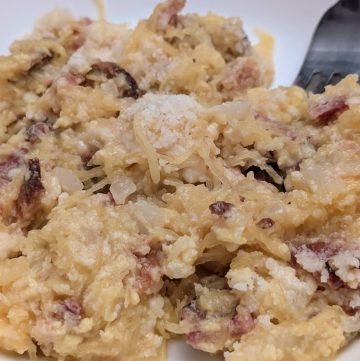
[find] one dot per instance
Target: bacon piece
(73, 308)
(328, 110)
(242, 323)
(323, 249)
(195, 338)
(31, 189)
(242, 75)
(226, 328)
(265, 223)
(12, 161)
(221, 208)
(34, 132)
(148, 272)
(69, 310)
(351, 311)
(111, 70)
(165, 14)
(319, 253)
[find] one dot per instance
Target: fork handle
(351, 4)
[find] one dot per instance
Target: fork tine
(302, 80)
(334, 50)
(322, 82)
(316, 82)
(350, 4)
(304, 77)
(313, 82)
(334, 78)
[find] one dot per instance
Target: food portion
(151, 186)
(209, 57)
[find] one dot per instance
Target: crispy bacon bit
(242, 323)
(221, 208)
(265, 223)
(31, 189)
(111, 70)
(351, 311)
(165, 14)
(328, 110)
(242, 75)
(36, 131)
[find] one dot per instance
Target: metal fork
(335, 48)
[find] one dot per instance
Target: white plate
(284, 19)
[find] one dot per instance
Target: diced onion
(69, 182)
(121, 189)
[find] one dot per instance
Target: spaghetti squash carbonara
(152, 186)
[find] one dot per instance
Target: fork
(335, 48)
